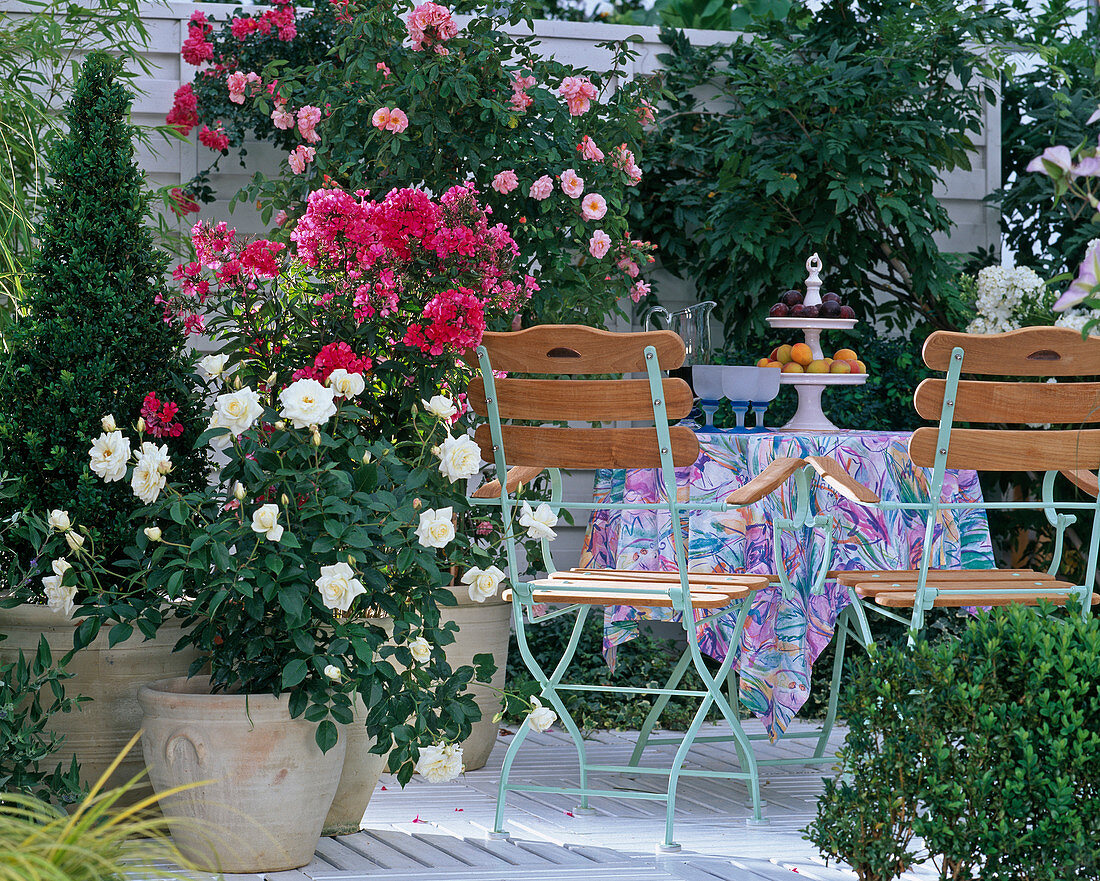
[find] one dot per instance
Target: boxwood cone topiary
(94, 341)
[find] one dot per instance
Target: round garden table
(783, 636)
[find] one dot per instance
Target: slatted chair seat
(651, 594)
(872, 579)
(957, 599)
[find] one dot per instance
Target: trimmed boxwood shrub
(94, 341)
(986, 748)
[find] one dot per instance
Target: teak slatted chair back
(1030, 407)
(518, 441)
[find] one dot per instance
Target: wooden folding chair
(1072, 449)
(520, 444)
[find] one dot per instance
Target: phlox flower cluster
(334, 356)
(579, 93)
(280, 18)
(430, 26)
(215, 139)
(453, 320)
(1006, 297)
(196, 49)
(160, 417)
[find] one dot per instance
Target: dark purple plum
(811, 311)
(791, 298)
(798, 311)
(830, 295)
(830, 309)
(779, 310)
(847, 312)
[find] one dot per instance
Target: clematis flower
(1094, 118)
(1059, 157)
(1088, 277)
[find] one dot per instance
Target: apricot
(793, 367)
(839, 366)
(763, 362)
(845, 355)
(783, 354)
(801, 354)
(820, 365)
(862, 367)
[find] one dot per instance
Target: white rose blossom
(238, 410)
(108, 423)
(421, 650)
(149, 472)
(441, 407)
(74, 540)
(459, 458)
(59, 597)
(306, 402)
(265, 521)
(440, 762)
(339, 586)
(436, 529)
(539, 523)
(540, 718)
(109, 456)
(153, 533)
(333, 672)
(59, 520)
(483, 582)
(221, 441)
(346, 385)
(214, 365)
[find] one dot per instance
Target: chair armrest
(1083, 480)
(517, 475)
(841, 481)
(772, 477)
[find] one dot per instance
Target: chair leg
(839, 643)
(659, 707)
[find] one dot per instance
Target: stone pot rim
(191, 697)
(43, 616)
(461, 593)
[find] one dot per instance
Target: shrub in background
(829, 132)
(366, 98)
(94, 341)
(985, 748)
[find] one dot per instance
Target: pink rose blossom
(382, 66)
(236, 83)
(593, 207)
(280, 218)
(578, 92)
(588, 149)
(429, 26)
(599, 244)
(639, 290)
(308, 117)
(628, 266)
(381, 118)
(398, 121)
(300, 157)
(505, 181)
(571, 184)
(520, 99)
(282, 118)
(542, 188)
(646, 114)
(215, 139)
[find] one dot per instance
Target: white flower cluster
(1004, 297)
(440, 762)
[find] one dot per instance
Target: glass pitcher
(692, 325)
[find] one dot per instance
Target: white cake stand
(809, 416)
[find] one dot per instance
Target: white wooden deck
(438, 832)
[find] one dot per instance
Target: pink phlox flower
(599, 244)
(505, 181)
(454, 321)
(542, 188)
(430, 25)
(215, 139)
(334, 356)
(182, 203)
(160, 417)
(572, 184)
(593, 207)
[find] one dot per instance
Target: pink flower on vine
(593, 207)
(639, 290)
(578, 92)
(382, 66)
(300, 157)
(520, 100)
(429, 26)
(542, 188)
(572, 184)
(308, 117)
(599, 244)
(588, 149)
(388, 120)
(505, 181)
(282, 118)
(215, 139)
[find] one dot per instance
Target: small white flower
(440, 762)
(108, 423)
(435, 529)
(149, 472)
(221, 441)
(540, 523)
(238, 410)
(333, 672)
(239, 492)
(421, 650)
(459, 458)
(307, 402)
(74, 540)
(214, 365)
(441, 406)
(265, 521)
(60, 566)
(339, 586)
(483, 582)
(109, 454)
(59, 520)
(59, 597)
(346, 385)
(152, 533)
(540, 718)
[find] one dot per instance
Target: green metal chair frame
(1030, 353)
(574, 350)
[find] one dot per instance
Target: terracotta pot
(358, 780)
(269, 787)
(482, 628)
(98, 729)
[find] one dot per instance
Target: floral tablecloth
(782, 636)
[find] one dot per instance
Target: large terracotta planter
(482, 628)
(97, 730)
(358, 780)
(270, 786)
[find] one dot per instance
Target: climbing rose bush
(420, 97)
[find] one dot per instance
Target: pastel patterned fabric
(782, 636)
